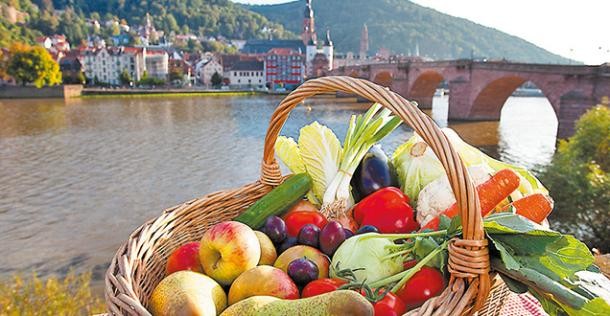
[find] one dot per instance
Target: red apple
(186, 257)
(227, 250)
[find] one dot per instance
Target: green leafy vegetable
(363, 132)
(554, 267)
(416, 166)
(368, 257)
(288, 151)
(321, 151)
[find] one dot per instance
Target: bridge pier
(423, 102)
(571, 107)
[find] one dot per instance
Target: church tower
(364, 42)
(328, 50)
(309, 30)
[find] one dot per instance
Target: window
(235, 73)
(238, 80)
(249, 80)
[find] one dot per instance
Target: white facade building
(106, 64)
(247, 74)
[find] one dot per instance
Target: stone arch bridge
(478, 90)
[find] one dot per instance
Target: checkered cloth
(522, 305)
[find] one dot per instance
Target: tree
(579, 180)
(176, 74)
(125, 78)
(216, 79)
(33, 65)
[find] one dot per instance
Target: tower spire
(328, 42)
(364, 42)
(309, 32)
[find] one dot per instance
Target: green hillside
(200, 17)
(400, 26)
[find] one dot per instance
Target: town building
(156, 63)
(247, 74)
(105, 65)
(71, 67)
(284, 68)
(54, 44)
(264, 46)
(206, 68)
(148, 34)
(308, 45)
(179, 64)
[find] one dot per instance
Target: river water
(77, 176)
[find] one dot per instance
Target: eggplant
(374, 172)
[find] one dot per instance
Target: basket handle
(461, 183)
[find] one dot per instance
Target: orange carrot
(491, 193)
(535, 207)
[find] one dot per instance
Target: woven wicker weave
(138, 265)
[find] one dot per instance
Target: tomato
(424, 284)
(390, 305)
(392, 220)
(303, 205)
(297, 219)
(321, 286)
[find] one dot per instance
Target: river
(77, 176)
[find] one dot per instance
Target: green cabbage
(416, 166)
(368, 254)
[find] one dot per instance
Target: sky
(575, 29)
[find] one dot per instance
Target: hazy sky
(574, 29)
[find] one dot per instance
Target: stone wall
(28, 92)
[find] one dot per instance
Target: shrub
(53, 296)
(579, 181)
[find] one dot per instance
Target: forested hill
(400, 26)
(199, 17)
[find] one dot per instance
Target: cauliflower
(437, 196)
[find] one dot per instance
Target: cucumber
(278, 200)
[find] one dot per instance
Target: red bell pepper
(387, 209)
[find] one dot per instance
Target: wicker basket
(138, 266)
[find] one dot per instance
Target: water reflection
(77, 177)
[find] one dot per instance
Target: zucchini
(278, 200)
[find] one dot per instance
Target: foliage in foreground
(32, 64)
(579, 180)
(34, 296)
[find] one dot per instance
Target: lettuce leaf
(288, 151)
(321, 153)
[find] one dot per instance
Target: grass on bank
(171, 94)
(32, 295)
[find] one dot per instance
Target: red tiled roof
(282, 51)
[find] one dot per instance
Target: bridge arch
(490, 100)
(383, 78)
(423, 88)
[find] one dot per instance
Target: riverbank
(114, 93)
